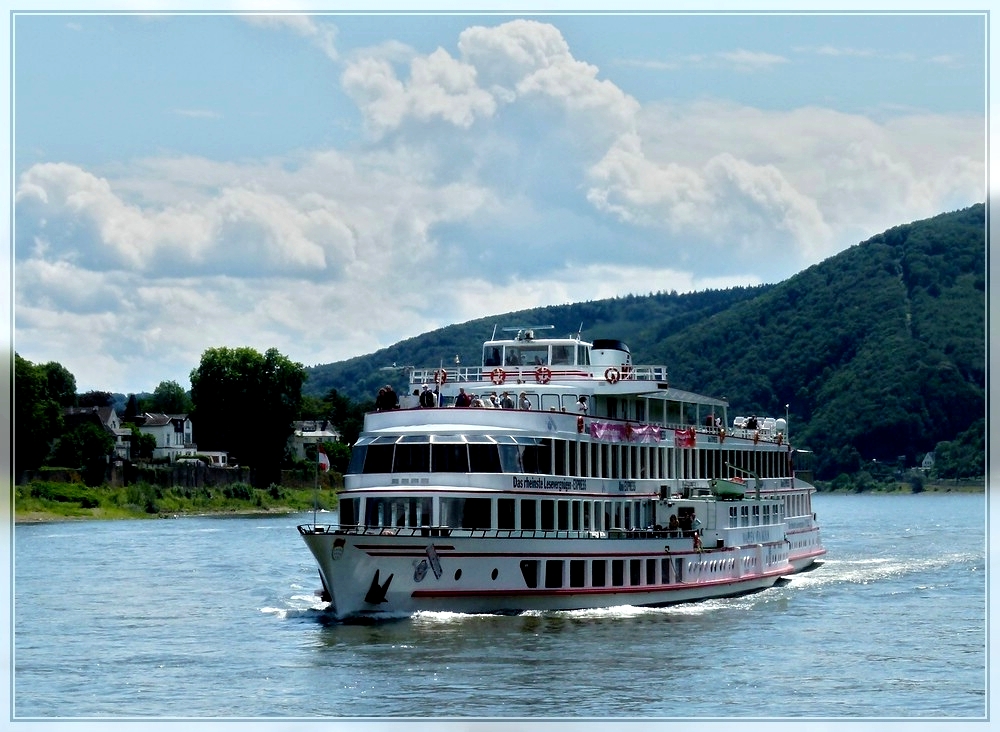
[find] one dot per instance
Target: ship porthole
(494, 573)
(458, 574)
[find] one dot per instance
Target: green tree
(169, 397)
(339, 454)
(314, 408)
(86, 445)
(963, 457)
(131, 409)
(37, 415)
(244, 403)
(143, 444)
(61, 384)
(96, 399)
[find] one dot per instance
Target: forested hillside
(879, 351)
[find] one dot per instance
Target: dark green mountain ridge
(879, 351)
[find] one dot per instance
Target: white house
(172, 432)
(310, 432)
(928, 462)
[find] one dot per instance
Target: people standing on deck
(685, 522)
(581, 404)
(463, 399)
(505, 401)
(427, 398)
(493, 402)
(524, 402)
(386, 399)
(751, 424)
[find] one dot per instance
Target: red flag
(684, 438)
(324, 460)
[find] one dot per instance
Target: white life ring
(612, 375)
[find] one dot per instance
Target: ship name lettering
(548, 484)
(626, 486)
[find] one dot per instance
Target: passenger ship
(647, 496)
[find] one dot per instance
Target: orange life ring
(498, 376)
(612, 375)
(543, 375)
(579, 423)
(440, 376)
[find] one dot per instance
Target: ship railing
(715, 433)
(528, 374)
(455, 532)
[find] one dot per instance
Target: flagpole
(316, 486)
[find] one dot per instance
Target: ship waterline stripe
(402, 549)
(755, 580)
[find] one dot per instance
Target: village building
(310, 432)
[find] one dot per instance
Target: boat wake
(871, 570)
(301, 606)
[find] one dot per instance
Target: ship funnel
(608, 352)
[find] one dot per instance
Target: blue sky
(330, 184)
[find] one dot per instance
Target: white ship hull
(391, 575)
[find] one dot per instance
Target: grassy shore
(50, 501)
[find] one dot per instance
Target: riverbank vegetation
(43, 500)
(864, 482)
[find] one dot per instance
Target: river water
(215, 619)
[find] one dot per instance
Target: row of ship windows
(511, 513)
(565, 457)
(530, 514)
(552, 573)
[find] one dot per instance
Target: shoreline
(44, 517)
